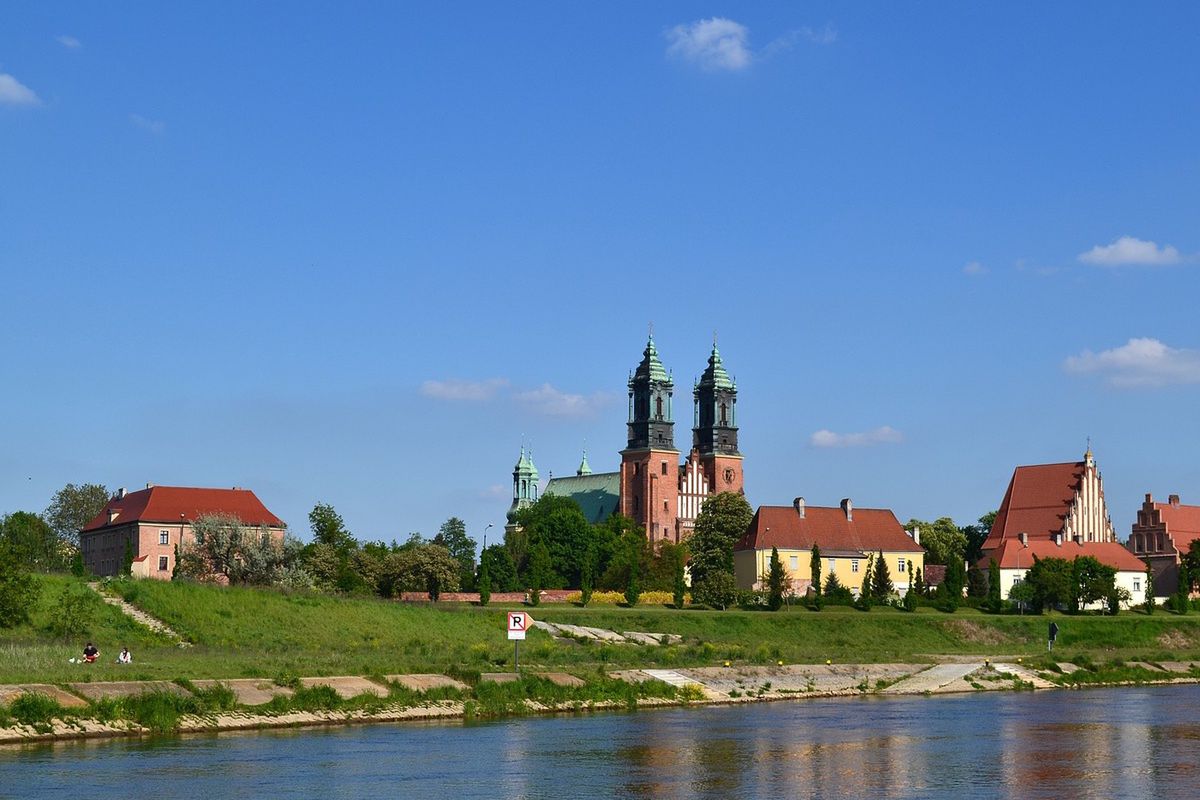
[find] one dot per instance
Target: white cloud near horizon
(712, 44)
(975, 268)
(1139, 363)
(884, 434)
(552, 402)
(1131, 251)
(15, 93)
(460, 390)
(155, 126)
(69, 42)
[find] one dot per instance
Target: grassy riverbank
(238, 632)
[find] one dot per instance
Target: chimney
(1058, 538)
(1024, 537)
(1173, 499)
(121, 493)
(1149, 499)
(848, 508)
(149, 485)
(915, 533)
(1078, 539)
(798, 504)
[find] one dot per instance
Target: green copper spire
(525, 484)
(716, 376)
(584, 469)
(651, 367)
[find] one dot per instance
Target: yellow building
(846, 536)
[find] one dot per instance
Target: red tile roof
(1010, 554)
(870, 530)
(1183, 523)
(1036, 502)
(171, 503)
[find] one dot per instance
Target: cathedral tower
(650, 462)
(715, 435)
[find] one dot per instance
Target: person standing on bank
(1053, 636)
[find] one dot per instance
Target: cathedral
(652, 487)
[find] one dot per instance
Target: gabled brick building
(1162, 533)
(154, 520)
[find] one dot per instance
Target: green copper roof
(597, 494)
(715, 374)
(584, 468)
(525, 464)
(651, 367)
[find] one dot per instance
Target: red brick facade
(650, 491)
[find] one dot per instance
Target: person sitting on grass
(125, 657)
(90, 653)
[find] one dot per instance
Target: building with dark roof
(846, 536)
(150, 523)
(1162, 534)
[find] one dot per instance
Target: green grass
(239, 632)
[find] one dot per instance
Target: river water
(1100, 743)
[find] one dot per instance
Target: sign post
(518, 623)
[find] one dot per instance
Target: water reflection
(1086, 744)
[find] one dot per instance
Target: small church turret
(525, 487)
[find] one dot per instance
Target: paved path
(932, 679)
(1025, 674)
(679, 680)
(139, 616)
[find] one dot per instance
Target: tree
(559, 524)
(632, 589)
(679, 583)
(949, 593)
(775, 579)
(1022, 593)
(224, 548)
(31, 541)
(329, 529)
(865, 596)
(19, 590)
(452, 535)
(1053, 583)
(72, 507)
(881, 582)
(1183, 589)
(723, 519)
(500, 567)
(942, 539)
(539, 571)
(484, 582)
(1149, 587)
(835, 592)
(78, 568)
(424, 568)
(976, 535)
(919, 583)
(1093, 581)
(1192, 558)
(977, 581)
(717, 589)
(814, 570)
(993, 586)
(910, 596)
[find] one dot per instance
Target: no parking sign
(518, 623)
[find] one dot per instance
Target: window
(658, 407)
(794, 562)
(164, 537)
(162, 563)
(724, 419)
(664, 468)
(854, 565)
(902, 566)
(831, 563)
(1137, 584)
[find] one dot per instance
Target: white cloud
(1127, 250)
(69, 42)
(975, 268)
(1139, 363)
(15, 93)
(470, 391)
(883, 435)
(712, 44)
(155, 126)
(826, 35)
(551, 402)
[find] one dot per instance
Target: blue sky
(356, 255)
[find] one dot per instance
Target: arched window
(724, 417)
(658, 407)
